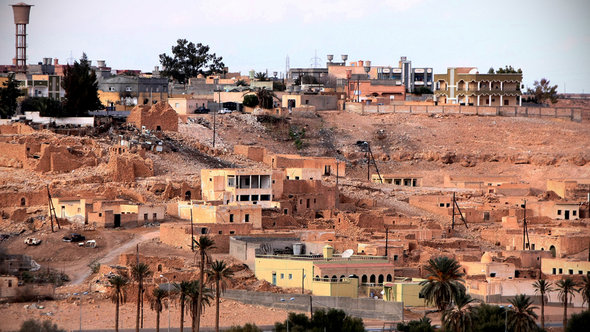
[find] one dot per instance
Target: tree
(246, 328)
(241, 83)
(543, 288)
(8, 95)
(265, 98)
(139, 272)
(250, 100)
(118, 294)
(566, 288)
(491, 70)
(218, 274)
(183, 289)
(203, 246)
(424, 324)
(543, 91)
(278, 86)
(33, 325)
(585, 290)
(189, 60)
(422, 90)
(579, 322)
(197, 295)
(261, 76)
(158, 294)
(522, 316)
(460, 317)
(443, 283)
(306, 79)
(45, 106)
(488, 318)
(81, 88)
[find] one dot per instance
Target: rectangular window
(265, 197)
(244, 198)
(220, 232)
(231, 218)
(247, 218)
(286, 211)
(559, 212)
(448, 204)
(231, 181)
(232, 232)
(395, 257)
(554, 271)
(580, 272)
(290, 276)
(441, 204)
(560, 271)
(282, 276)
(571, 271)
(145, 216)
(254, 198)
(574, 212)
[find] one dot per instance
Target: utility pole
(525, 231)
(386, 239)
(302, 280)
(192, 233)
(456, 205)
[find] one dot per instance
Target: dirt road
(80, 272)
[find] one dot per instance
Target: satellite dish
(347, 253)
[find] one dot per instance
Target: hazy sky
(545, 38)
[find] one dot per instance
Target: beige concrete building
(398, 179)
(204, 212)
(552, 266)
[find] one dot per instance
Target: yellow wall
(108, 97)
(265, 267)
(407, 292)
(221, 214)
(303, 173)
(348, 287)
(548, 264)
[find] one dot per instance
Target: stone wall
(568, 113)
(366, 308)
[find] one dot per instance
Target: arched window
(187, 195)
(159, 267)
(380, 278)
(553, 251)
(23, 201)
(389, 277)
(364, 279)
(334, 278)
(342, 277)
(372, 279)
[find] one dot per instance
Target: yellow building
(303, 173)
(397, 179)
(406, 291)
(564, 266)
(214, 212)
(242, 185)
(326, 274)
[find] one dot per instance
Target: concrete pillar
(501, 86)
(520, 100)
(490, 100)
(478, 85)
(501, 103)
(466, 100)
(478, 95)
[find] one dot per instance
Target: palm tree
(261, 76)
(219, 273)
(203, 246)
(566, 288)
(522, 316)
(158, 294)
(139, 272)
(443, 282)
(194, 296)
(182, 288)
(543, 287)
(585, 290)
(118, 294)
(265, 97)
(460, 317)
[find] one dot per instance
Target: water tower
(21, 19)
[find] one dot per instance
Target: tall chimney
(21, 19)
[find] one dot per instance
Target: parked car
(202, 110)
(32, 241)
(74, 237)
(224, 111)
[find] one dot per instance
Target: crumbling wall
(126, 167)
(16, 129)
(160, 116)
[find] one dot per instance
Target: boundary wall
(568, 113)
(362, 307)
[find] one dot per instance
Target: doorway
(117, 220)
(566, 214)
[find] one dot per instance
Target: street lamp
(80, 296)
(506, 316)
(283, 300)
(167, 286)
